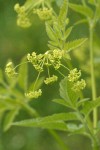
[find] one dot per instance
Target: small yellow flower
(9, 70)
(79, 85)
(34, 94)
(44, 14)
(51, 79)
(74, 75)
(23, 20)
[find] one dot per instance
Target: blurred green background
(16, 42)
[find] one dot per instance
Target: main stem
(92, 74)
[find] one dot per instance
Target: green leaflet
(51, 33)
(80, 22)
(63, 13)
(50, 122)
(8, 104)
(11, 103)
(62, 102)
(74, 44)
(59, 125)
(86, 11)
(89, 106)
(67, 93)
(57, 30)
(9, 118)
(51, 47)
(23, 74)
(81, 102)
(61, 117)
(67, 32)
(53, 43)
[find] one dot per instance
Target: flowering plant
(78, 120)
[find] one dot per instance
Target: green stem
(89, 132)
(92, 75)
(96, 145)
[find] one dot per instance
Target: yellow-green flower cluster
(23, 20)
(73, 77)
(36, 60)
(33, 94)
(9, 70)
(55, 58)
(44, 13)
(79, 85)
(49, 58)
(51, 79)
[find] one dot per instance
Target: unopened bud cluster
(23, 20)
(9, 70)
(34, 94)
(44, 13)
(73, 77)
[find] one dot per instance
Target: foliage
(16, 92)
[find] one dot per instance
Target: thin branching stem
(93, 84)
